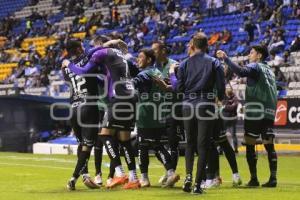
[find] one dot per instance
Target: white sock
(132, 175)
(119, 171)
(170, 172)
(73, 179)
(145, 176)
(235, 175)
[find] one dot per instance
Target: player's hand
(160, 83)
(221, 54)
(173, 67)
(65, 63)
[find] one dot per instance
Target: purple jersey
(114, 65)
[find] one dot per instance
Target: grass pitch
(43, 177)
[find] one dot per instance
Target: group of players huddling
(110, 95)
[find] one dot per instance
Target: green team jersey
(264, 91)
(150, 97)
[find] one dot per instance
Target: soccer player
(150, 127)
(85, 114)
(174, 127)
(196, 78)
(220, 139)
(121, 97)
(260, 109)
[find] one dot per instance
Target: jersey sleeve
(94, 62)
(250, 70)
(220, 79)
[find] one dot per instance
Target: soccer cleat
(217, 181)
(98, 180)
(187, 185)
(88, 182)
(71, 185)
(270, 183)
(197, 189)
(132, 185)
(145, 183)
(209, 183)
(253, 183)
(163, 179)
(108, 181)
(117, 181)
(171, 180)
(236, 180)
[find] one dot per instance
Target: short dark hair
(199, 40)
(149, 53)
(162, 45)
(263, 50)
(101, 39)
(72, 45)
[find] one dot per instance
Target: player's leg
(212, 170)
(163, 156)
(98, 151)
(268, 141)
(125, 142)
(250, 140)
(143, 157)
(229, 154)
(190, 125)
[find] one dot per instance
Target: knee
(249, 140)
(86, 148)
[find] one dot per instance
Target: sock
(230, 155)
(111, 170)
(129, 154)
(132, 175)
(119, 171)
(82, 163)
(98, 150)
(111, 149)
(212, 162)
(79, 149)
(251, 160)
(145, 176)
(143, 157)
(163, 156)
(170, 172)
(272, 157)
(174, 156)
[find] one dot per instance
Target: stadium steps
(43, 5)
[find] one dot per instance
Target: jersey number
(77, 83)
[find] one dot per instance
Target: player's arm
(248, 71)
(93, 63)
(220, 79)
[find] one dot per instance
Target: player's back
(84, 88)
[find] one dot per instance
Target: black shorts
(85, 123)
(120, 115)
(219, 131)
(150, 135)
(256, 128)
(175, 129)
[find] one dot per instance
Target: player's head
(74, 47)
(198, 42)
(146, 58)
(258, 53)
(99, 40)
(160, 50)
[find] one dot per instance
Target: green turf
(42, 177)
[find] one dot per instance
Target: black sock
(143, 156)
(212, 162)
(98, 150)
(252, 160)
(230, 156)
(272, 157)
(111, 149)
(163, 156)
(82, 163)
(79, 149)
(174, 156)
(111, 170)
(129, 154)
